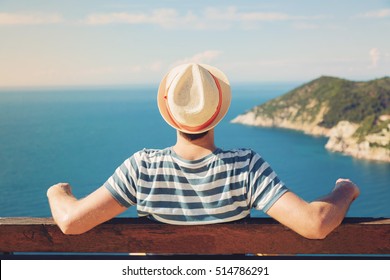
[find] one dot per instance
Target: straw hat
(194, 98)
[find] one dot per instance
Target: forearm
(331, 209)
(62, 203)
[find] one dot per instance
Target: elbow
(317, 229)
(68, 226)
(69, 230)
(65, 224)
(320, 223)
(315, 233)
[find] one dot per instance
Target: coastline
(341, 137)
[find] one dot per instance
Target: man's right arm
(76, 216)
(315, 220)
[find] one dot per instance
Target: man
(194, 182)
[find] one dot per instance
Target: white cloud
(101, 19)
(232, 14)
(163, 17)
(29, 18)
(374, 56)
(376, 14)
(225, 18)
(209, 18)
(203, 57)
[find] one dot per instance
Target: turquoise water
(81, 135)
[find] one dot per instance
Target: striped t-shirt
(220, 187)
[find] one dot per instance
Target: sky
(81, 43)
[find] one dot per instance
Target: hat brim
(226, 99)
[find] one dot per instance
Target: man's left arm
(315, 220)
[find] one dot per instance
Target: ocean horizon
(81, 135)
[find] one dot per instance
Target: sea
(81, 135)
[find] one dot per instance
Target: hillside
(354, 115)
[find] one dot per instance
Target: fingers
(343, 180)
(60, 187)
(347, 183)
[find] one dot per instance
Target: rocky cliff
(354, 115)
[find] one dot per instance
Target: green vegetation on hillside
(357, 102)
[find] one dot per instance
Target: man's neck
(195, 149)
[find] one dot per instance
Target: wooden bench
(252, 235)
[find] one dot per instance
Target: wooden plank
(255, 235)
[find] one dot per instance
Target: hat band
(205, 124)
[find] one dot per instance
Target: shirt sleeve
(122, 184)
(266, 187)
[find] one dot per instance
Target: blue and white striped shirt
(220, 187)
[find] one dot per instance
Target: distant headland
(355, 116)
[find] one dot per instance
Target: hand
(63, 188)
(346, 183)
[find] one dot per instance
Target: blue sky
(54, 43)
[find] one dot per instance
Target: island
(354, 115)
